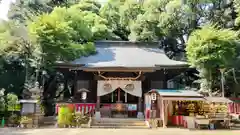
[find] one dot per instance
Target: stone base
(140, 115)
(97, 116)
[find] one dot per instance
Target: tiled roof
(128, 56)
(178, 93)
(218, 99)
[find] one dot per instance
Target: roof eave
(68, 65)
(172, 66)
(119, 68)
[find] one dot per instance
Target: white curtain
(136, 90)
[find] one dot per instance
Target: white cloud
(4, 7)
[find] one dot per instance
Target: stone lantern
(30, 106)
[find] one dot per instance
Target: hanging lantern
(154, 96)
(84, 95)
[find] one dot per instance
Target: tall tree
(210, 49)
(111, 12)
(25, 10)
(89, 10)
(63, 35)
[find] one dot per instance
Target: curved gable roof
(130, 55)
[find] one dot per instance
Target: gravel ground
(168, 131)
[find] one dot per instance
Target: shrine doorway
(119, 96)
(119, 104)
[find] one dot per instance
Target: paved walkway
(169, 131)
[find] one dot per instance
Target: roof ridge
(126, 43)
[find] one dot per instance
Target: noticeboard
(28, 108)
(132, 107)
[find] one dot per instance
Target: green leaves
(88, 10)
(211, 47)
(64, 34)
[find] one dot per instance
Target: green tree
(12, 101)
(210, 49)
(145, 27)
(25, 10)
(111, 12)
(18, 54)
(63, 35)
(89, 10)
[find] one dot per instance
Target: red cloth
(180, 119)
(237, 108)
(80, 106)
(175, 120)
(231, 107)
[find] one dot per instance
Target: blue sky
(4, 7)
(5, 4)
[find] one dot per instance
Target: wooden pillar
(165, 86)
(140, 111)
(163, 113)
(140, 104)
(97, 111)
(119, 92)
(75, 85)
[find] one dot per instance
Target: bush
(80, 118)
(13, 119)
(65, 116)
(68, 117)
(25, 120)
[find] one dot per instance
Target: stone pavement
(66, 131)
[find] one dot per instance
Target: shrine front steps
(48, 121)
(124, 123)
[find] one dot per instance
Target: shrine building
(119, 74)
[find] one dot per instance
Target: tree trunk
(210, 83)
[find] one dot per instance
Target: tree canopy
(38, 33)
(210, 47)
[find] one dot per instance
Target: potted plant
(26, 122)
(78, 119)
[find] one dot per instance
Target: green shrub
(65, 116)
(13, 119)
(25, 120)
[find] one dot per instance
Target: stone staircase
(127, 123)
(236, 125)
(48, 121)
